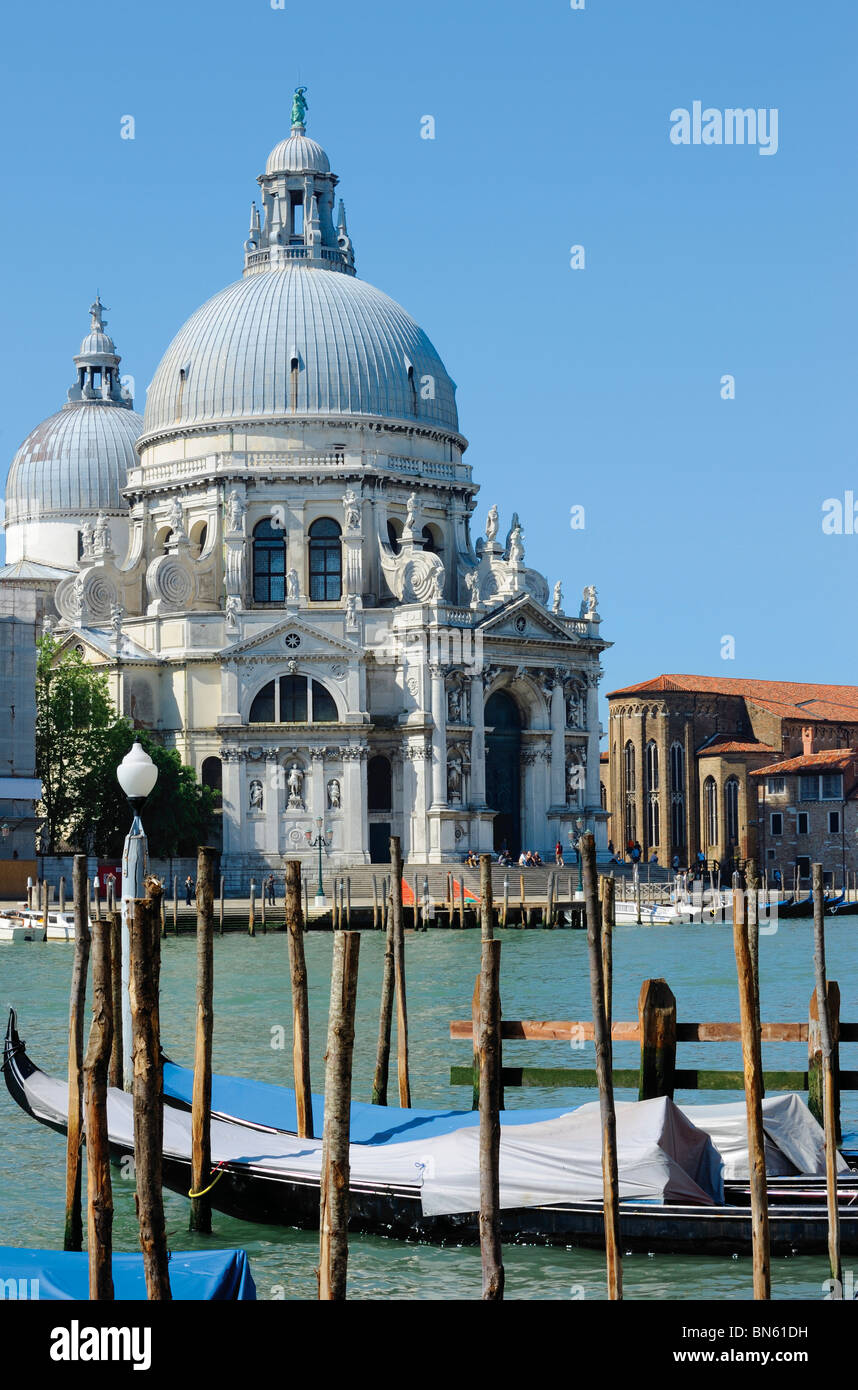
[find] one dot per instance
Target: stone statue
(352, 511)
(588, 604)
(292, 585)
(257, 795)
(454, 780)
(295, 783)
(299, 106)
(334, 801)
(512, 525)
(117, 613)
(472, 586)
(177, 521)
(410, 511)
(351, 613)
(516, 549)
(234, 512)
(86, 540)
(492, 523)
(454, 705)
(96, 315)
(557, 605)
(101, 535)
(231, 608)
(573, 710)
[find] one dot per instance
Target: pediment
(523, 619)
(272, 640)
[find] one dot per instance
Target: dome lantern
(297, 218)
(97, 364)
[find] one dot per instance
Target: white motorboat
(14, 928)
(60, 924)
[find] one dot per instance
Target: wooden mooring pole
(487, 906)
(99, 1192)
(752, 1063)
(175, 904)
(251, 920)
(657, 1019)
(220, 907)
(374, 903)
(73, 1238)
(148, 1088)
(489, 1045)
(608, 885)
(300, 1005)
(62, 892)
(828, 1091)
(200, 1218)
(602, 1037)
(399, 973)
(115, 1076)
(334, 1184)
(388, 972)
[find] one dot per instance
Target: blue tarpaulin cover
(261, 1103)
(194, 1275)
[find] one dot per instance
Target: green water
(543, 975)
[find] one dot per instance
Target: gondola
(267, 1176)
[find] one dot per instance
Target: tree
(80, 742)
(177, 816)
(73, 715)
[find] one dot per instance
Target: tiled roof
(830, 760)
(789, 699)
(732, 745)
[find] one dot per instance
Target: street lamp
(137, 775)
(575, 841)
(321, 842)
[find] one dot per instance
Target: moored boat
(426, 1188)
(15, 928)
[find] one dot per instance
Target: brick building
(683, 752)
(809, 814)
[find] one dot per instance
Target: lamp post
(321, 842)
(575, 841)
(137, 775)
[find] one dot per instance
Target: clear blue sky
(598, 387)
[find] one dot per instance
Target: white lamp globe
(137, 774)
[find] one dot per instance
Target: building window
(651, 767)
(775, 786)
(630, 766)
(731, 809)
(269, 563)
(379, 784)
(326, 561)
(834, 822)
(631, 822)
(777, 823)
(802, 864)
(293, 700)
(710, 811)
(603, 796)
(803, 823)
(827, 787)
(677, 820)
(677, 768)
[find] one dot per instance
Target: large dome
(74, 463)
(357, 353)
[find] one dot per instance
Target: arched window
(326, 560)
(394, 536)
(677, 768)
(652, 766)
(211, 773)
(731, 809)
(269, 563)
(432, 540)
(710, 811)
(379, 784)
(293, 700)
(652, 817)
(630, 766)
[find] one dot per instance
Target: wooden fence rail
(658, 1073)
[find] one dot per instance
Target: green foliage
(80, 742)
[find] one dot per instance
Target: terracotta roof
(732, 745)
(789, 699)
(830, 760)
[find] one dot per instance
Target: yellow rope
(220, 1173)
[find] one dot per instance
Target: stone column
(273, 801)
(316, 802)
(354, 803)
(476, 713)
(593, 796)
(439, 739)
(558, 746)
(231, 802)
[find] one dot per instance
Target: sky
(602, 387)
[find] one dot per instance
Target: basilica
(279, 567)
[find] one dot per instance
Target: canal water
(543, 975)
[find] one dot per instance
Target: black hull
(255, 1196)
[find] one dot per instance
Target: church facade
(295, 597)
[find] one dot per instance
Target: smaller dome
(97, 342)
(297, 155)
(74, 464)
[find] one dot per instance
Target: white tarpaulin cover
(795, 1142)
(662, 1156)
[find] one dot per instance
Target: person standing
(189, 890)
(558, 854)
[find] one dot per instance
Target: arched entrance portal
(503, 769)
